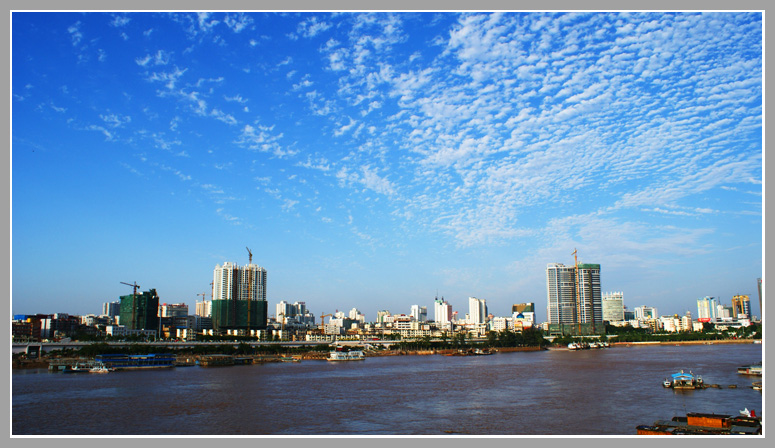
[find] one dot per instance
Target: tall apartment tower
(442, 311)
(706, 309)
(561, 293)
(613, 306)
(759, 285)
(111, 309)
(741, 305)
(419, 313)
(239, 297)
(204, 308)
(477, 310)
(572, 298)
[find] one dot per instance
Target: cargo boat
(127, 362)
(704, 424)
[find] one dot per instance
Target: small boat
(753, 369)
(574, 346)
(101, 368)
(340, 354)
(77, 368)
(757, 385)
(684, 380)
(483, 351)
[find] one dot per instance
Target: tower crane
(134, 286)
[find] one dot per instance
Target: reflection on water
(545, 393)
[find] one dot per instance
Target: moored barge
(130, 362)
(704, 424)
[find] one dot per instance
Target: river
(555, 392)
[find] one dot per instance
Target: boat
(574, 346)
(684, 380)
(101, 368)
(483, 351)
(753, 369)
(341, 354)
(76, 368)
(757, 385)
(121, 362)
(705, 424)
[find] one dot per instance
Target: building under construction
(239, 298)
(140, 311)
(574, 298)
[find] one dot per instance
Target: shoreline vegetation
(188, 357)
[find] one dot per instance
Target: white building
(231, 281)
(419, 313)
(613, 306)
(204, 308)
(706, 309)
(477, 310)
(442, 312)
(645, 313)
(356, 315)
(501, 323)
(295, 314)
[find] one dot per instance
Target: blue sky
(370, 160)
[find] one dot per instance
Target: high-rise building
(477, 310)
(706, 309)
(239, 297)
(759, 286)
(442, 311)
(284, 311)
(573, 294)
(383, 316)
(724, 312)
(204, 308)
(561, 293)
(419, 313)
(613, 306)
(741, 305)
(140, 311)
(590, 299)
(111, 309)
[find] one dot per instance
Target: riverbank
(318, 355)
(719, 341)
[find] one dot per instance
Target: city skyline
(371, 160)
